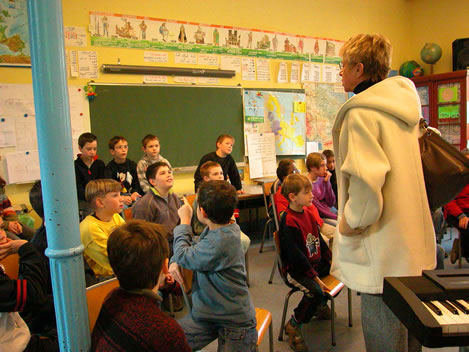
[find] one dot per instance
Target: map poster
(282, 119)
(14, 36)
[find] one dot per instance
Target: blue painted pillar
(57, 173)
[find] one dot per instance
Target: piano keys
(434, 307)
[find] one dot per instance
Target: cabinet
(444, 99)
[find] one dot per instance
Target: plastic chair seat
(264, 322)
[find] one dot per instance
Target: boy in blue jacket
(222, 307)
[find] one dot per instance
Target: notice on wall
(282, 76)
(23, 166)
(263, 70)
(7, 132)
(207, 59)
(230, 63)
(26, 135)
(73, 62)
(306, 73)
(248, 69)
(208, 80)
(75, 36)
(155, 79)
(295, 72)
(155, 56)
(185, 58)
(87, 64)
(331, 74)
(185, 79)
(261, 152)
(315, 72)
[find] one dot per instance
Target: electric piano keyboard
(434, 307)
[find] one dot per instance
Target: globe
(410, 69)
(430, 53)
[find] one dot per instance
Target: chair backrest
(281, 270)
(274, 211)
(128, 214)
(190, 198)
(11, 265)
(95, 296)
(266, 186)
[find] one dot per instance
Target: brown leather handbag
(445, 169)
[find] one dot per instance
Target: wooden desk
(252, 199)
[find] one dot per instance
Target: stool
(264, 320)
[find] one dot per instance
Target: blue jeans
(200, 334)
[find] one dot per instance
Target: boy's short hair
(219, 200)
(114, 140)
(86, 137)
(328, 153)
(99, 188)
(35, 198)
(136, 252)
(205, 168)
(153, 169)
(314, 160)
(148, 138)
(295, 183)
(283, 168)
(374, 51)
(222, 137)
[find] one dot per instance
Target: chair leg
(271, 336)
(273, 270)
(459, 250)
(332, 321)
(285, 308)
(266, 228)
(246, 260)
(349, 294)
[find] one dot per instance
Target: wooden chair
(128, 214)
(11, 265)
(274, 211)
(95, 296)
(335, 285)
(266, 186)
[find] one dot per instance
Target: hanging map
(14, 36)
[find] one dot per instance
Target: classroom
(408, 24)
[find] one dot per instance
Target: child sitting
(87, 165)
(223, 157)
(23, 294)
(151, 148)
(14, 229)
(212, 171)
(130, 318)
(105, 199)
(222, 307)
(324, 198)
(305, 256)
(330, 164)
(160, 204)
(123, 170)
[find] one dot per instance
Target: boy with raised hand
(305, 256)
(222, 307)
(130, 318)
(87, 165)
(160, 203)
(212, 171)
(123, 170)
(105, 199)
(222, 156)
(151, 148)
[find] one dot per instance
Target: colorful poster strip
(140, 32)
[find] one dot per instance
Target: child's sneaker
(295, 338)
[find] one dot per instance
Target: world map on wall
(14, 36)
(323, 101)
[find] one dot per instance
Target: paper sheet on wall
(248, 69)
(75, 36)
(185, 79)
(155, 56)
(155, 79)
(261, 152)
(230, 63)
(295, 72)
(79, 110)
(7, 132)
(185, 58)
(263, 70)
(26, 137)
(208, 80)
(331, 74)
(312, 147)
(207, 59)
(282, 76)
(23, 166)
(88, 64)
(73, 60)
(306, 73)
(315, 72)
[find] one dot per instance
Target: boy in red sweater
(305, 256)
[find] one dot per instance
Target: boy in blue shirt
(222, 307)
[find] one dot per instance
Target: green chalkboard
(187, 120)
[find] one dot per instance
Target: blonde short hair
(295, 183)
(314, 160)
(99, 188)
(373, 51)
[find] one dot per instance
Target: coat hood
(396, 96)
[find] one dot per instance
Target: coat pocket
(351, 249)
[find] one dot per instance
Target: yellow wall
(337, 19)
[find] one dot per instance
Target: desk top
(252, 191)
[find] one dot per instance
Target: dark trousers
(313, 296)
(454, 222)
